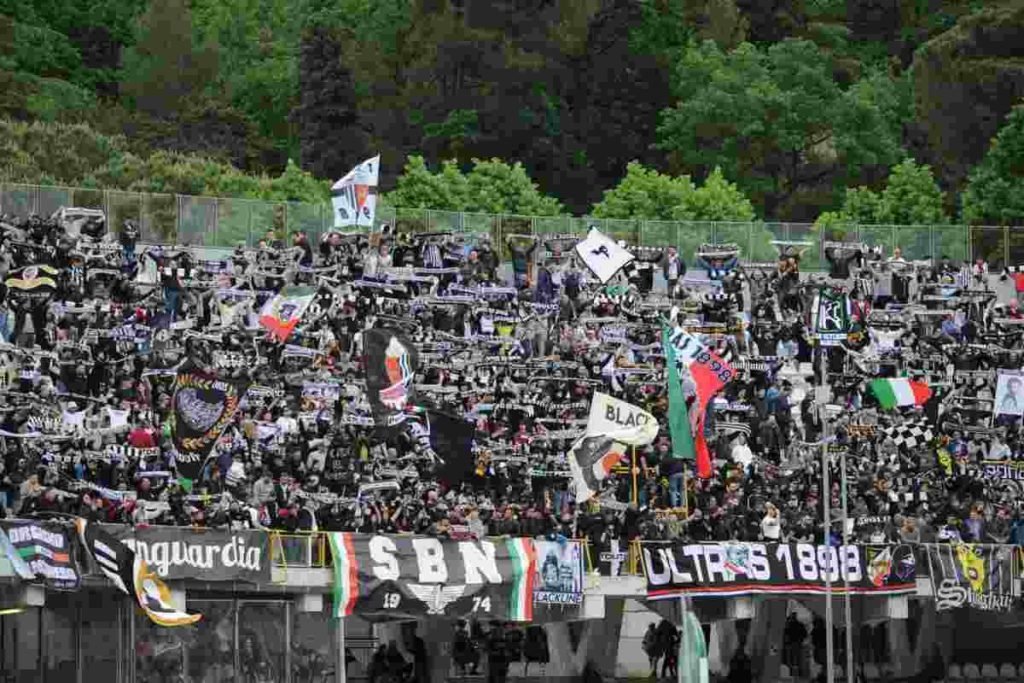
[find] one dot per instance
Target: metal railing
(224, 222)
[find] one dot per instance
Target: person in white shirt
(741, 453)
(771, 524)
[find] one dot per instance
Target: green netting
(444, 221)
(197, 221)
(411, 220)
(50, 199)
(85, 198)
(554, 225)
(234, 221)
(305, 217)
(989, 243)
(690, 235)
(18, 200)
(122, 206)
(951, 241)
(263, 216)
(159, 218)
(914, 240)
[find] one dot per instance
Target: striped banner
(413, 577)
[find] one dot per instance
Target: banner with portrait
(559, 579)
(692, 569)
(1009, 395)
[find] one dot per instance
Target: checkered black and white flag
(911, 435)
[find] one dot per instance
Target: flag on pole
(709, 374)
(591, 459)
(602, 255)
(900, 391)
(281, 314)
(132, 576)
(678, 417)
(622, 421)
(354, 197)
(693, 651)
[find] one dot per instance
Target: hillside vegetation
(778, 106)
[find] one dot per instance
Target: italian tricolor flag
(893, 393)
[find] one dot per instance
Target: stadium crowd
(514, 337)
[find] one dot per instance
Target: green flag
(678, 416)
(693, 651)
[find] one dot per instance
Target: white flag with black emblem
(602, 255)
(354, 197)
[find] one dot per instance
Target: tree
(995, 188)
(716, 200)
(165, 67)
(332, 140)
(910, 197)
(645, 194)
(775, 120)
(492, 186)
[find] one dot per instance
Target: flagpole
(826, 493)
(847, 615)
(636, 495)
(680, 676)
(340, 659)
(686, 495)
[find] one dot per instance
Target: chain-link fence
(219, 222)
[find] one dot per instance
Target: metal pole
(827, 504)
(339, 664)
(636, 494)
(682, 639)
(847, 612)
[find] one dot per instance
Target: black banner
(203, 407)
(47, 549)
(391, 362)
(976, 576)
(674, 569)
(207, 554)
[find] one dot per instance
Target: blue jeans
(675, 489)
(171, 298)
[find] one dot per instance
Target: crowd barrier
(222, 222)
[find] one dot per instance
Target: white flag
(353, 201)
(621, 421)
(602, 255)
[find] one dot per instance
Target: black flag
(391, 362)
(451, 439)
(203, 408)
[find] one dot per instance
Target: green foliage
(646, 194)
(910, 197)
(167, 64)
(458, 125)
(995, 188)
(775, 119)
(716, 200)
(492, 186)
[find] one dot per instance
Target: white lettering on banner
(760, 570)
(162, 555)
(32, 533)
(693, 552)
(430, 559)
(385, 564)
(480, 562)
(715, 557)
(658, 578)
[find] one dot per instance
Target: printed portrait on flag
(1009, 394)
(391, 362)
(353, 196)
(559, 573)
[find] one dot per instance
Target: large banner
(559, 578)
(407, 577)
(203, 408)
(207, 555)
(674, 569)
(47, 550)
(976, 576)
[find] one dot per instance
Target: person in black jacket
(497, 654)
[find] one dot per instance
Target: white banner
(1009, 394)
(602, 255)
(621, 421)
(353, 196)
